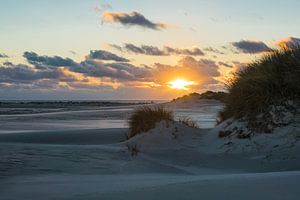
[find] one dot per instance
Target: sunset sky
(135, 49)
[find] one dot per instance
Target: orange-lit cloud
(288, 42)
(82, 80)
(94, 72)
(201, 73)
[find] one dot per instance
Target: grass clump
(188, 122)
(144, 119)
(268, 81)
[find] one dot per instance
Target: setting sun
(180, 84)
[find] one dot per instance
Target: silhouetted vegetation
(220, 96)
(271, 80)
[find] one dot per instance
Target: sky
(135, 49)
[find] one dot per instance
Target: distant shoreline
(34, 107)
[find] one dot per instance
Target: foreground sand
(173, 162)
(248, 186)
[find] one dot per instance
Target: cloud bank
(95, 74)
(155, 51)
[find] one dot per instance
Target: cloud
(131, 19)
(91, 66)
(214, 50)
(70, 72)
(2, 55)
(25, 74)
(202, 71)
(46, 61)
(102, 8)
(73, 52)
(288, 42)
(105, 55)
(155, 51)
(188, 52)
(239, 66)
(92, 74)
(144, 49)
(114, 46)
(7, 63)
(118, 71)
(253, 47)
(26, 77)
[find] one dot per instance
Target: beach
(83, 155)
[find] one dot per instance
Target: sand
(173, 162)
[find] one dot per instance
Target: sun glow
(180, 84)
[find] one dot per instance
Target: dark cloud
(155, 51)
(46, 61)
(7, 63)
(289, 42)
(105, 55)
(253, 47)
(91, 66)
(118, 71)
(105, 75)
(25, 74)
(131, 19)
(2, 55)
(144, 49)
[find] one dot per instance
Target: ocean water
(23, 117)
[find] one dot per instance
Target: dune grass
(188, 122)
(145, 118)
(272, 79)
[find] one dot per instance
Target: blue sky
(72, 28)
